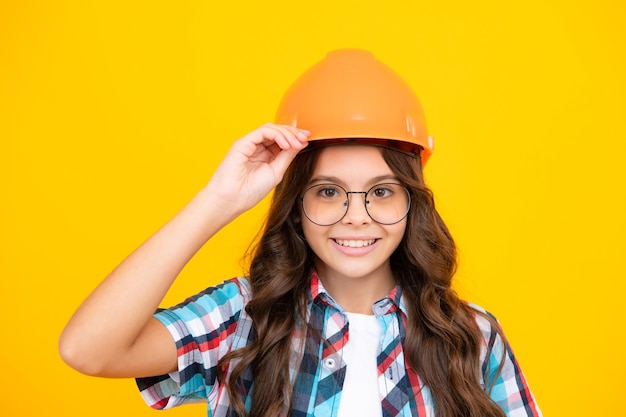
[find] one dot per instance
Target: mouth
(354, 243)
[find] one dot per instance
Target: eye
(382, 191)
(328, 191)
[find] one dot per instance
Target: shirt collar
(391, 303)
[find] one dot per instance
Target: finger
(282, 162)
(288, 136)
(299, 138)
(273, 138)
(264, 137)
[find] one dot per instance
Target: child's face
(356, 246)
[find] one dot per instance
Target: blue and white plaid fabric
(214, 322)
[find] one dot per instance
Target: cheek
(397, 231)
(316, 237)
(309, 230)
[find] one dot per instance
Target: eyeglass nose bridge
(347, 203)
(348, 199)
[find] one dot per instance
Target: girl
(348, 308)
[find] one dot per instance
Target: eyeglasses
(327, 204)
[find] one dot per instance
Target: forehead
(351, 163)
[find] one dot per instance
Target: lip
(355, 250)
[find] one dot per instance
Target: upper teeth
(355, 243)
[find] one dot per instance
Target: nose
(356, 214)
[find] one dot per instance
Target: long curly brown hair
(442, 342)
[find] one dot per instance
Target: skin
(113, 334)
(355, 277)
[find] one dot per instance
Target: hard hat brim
(411, 149)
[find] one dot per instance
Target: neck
(357, 294)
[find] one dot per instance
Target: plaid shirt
(214, 322)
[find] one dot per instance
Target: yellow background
(113, 114)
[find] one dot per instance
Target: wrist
(219, 204)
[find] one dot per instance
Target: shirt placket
(332, 368)
(401, 391)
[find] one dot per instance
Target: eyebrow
(336, 180)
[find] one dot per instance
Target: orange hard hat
(350, 96)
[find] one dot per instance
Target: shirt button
(330, 363)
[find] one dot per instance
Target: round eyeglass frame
(347, 202)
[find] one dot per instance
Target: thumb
(282, 162)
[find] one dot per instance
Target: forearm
(112, 318)
(111, 333)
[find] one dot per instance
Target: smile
(355, 243)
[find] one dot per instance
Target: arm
(113, 333)
(501, 374)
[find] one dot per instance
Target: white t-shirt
(360, 395)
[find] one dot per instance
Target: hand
(255, 164)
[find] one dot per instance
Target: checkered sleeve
(202, 327)
(508, 387)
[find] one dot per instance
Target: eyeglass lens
(327, 204)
